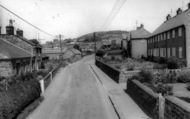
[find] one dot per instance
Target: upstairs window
(164, 38)
(180, 31)
(168, 35)
(173, 33)
(161, 37)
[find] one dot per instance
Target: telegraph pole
(60, 44)
(94, 37)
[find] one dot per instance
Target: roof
(175, 21)
(75, 51)
(140, 33)
(10, 51)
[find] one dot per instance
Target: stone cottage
(14, 60)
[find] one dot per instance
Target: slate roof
(140, 33)
(10, 51)
(175, 21)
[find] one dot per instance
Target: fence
(44, 82)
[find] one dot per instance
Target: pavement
(74, 93)
(124, 104)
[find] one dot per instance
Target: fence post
(42, 86)
(51, 76)
(161, 106)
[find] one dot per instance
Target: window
(161, 52)
(180, 52)
(168, 52)
(164, 52)
(180, 31)
(173, 33)
(158, 38)
(173, 52)
(164, 36)
(168, 35)
(161, 37)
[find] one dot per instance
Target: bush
(183, 77)
(146, 76)
(100, 53)
(164, 89)
(17, 97)
(173, 63)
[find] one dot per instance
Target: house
(14, 60)
(138, 42)
(53, 53)
(31, 46)
(172, 38)
(72, 55)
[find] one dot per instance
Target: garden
(167, 82)
(19, 91)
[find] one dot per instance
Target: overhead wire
(26, 21)
(115, 10)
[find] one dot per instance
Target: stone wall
(6, 69)
(110, 71)
(143, 96)
(176, 108)
(125, 75)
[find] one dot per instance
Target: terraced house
(172, 38)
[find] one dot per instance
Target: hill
(101, 35)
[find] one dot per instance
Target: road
(75, 94)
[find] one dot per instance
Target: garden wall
(143, 96)
(176, 108)
(110, 71)
(125, 75)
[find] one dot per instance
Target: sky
(73, 18)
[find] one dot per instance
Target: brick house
(14, 60)
(172, 38)
(138, 42)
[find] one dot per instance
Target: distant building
(138, 42)
(172, 38)
(14, 60)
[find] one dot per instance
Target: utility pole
(60, 44)
(94, 37)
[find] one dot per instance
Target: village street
(76, 93)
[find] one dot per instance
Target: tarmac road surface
(75, 94)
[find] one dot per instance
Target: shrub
(146, 76)
(162, 60)
(164, 89)
(183, 77)
(100, 53)
(173, 63)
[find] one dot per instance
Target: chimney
(19, 32)
(168, 17)
(188, 5)
(0, 30)
(10, 28)
(142, 26)
(179, 11)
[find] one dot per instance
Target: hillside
(101, 35)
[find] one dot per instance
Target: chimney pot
(179, 11)
(168, 17)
